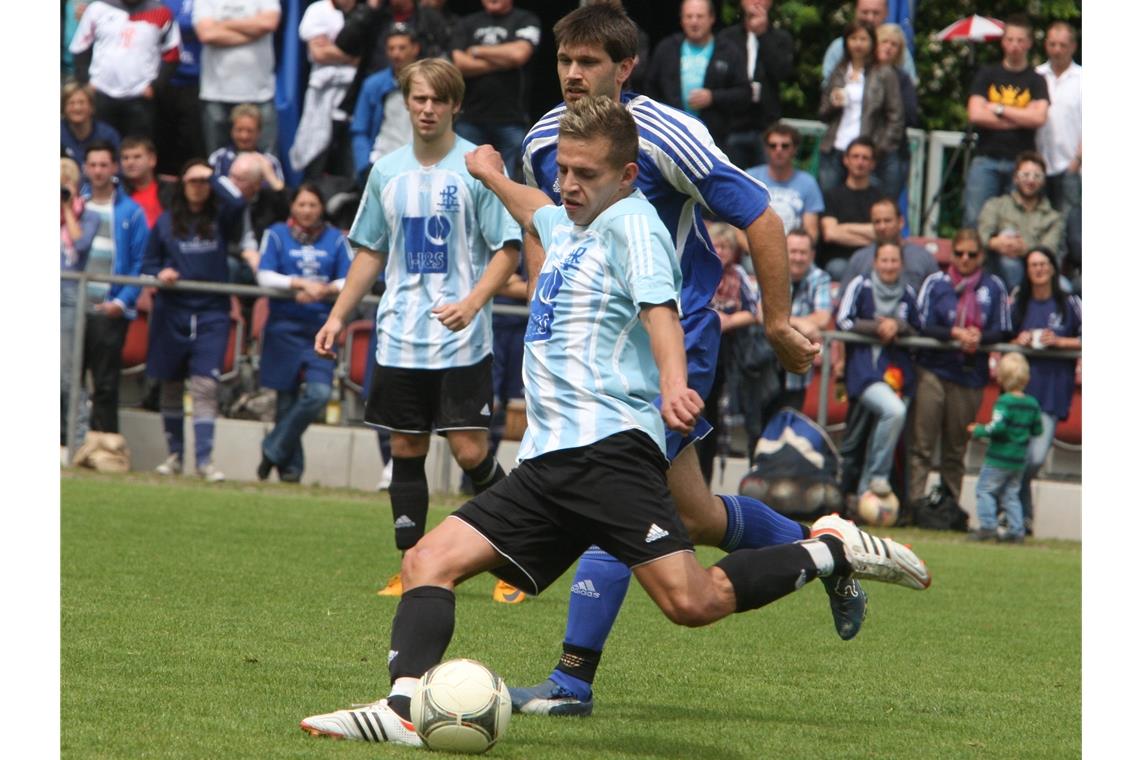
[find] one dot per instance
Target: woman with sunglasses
(971, 308)
(189, 330)
(880, 376)
(859, 98)
(310, 257)
(1045, 316)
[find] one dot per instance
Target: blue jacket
(858, 303)
(76, 149)
(131, 234)
(938, 309)
(369, 115)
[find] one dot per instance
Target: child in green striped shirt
(1016, 419)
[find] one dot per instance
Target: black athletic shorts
(551, 508)
(423, 400)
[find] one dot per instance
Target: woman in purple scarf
(971, 308)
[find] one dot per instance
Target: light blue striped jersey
(588, 368)
(437, 227)
(681, 171)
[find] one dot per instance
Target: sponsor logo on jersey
(425, 243)
(542, 306)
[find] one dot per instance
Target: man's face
(696, 20)
(1028, 179)
(78, 108)
(1060, 47)
(873, 12)
(588, 70)
(498, 7)
(590, 182)
(432, 117)
(402, 50)
(781, 150)
(860, 161)
(887, 224)
(138, 164)
(966, 257)
(800, 256)
(99, 168)
(1015, 43)
(245, 132)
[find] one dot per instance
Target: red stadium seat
(355, 354)
(237, 330)
(1069, 431)
(989, 397)
(836, 410)
(134, 346)
(939, 248)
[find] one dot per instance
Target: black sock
(579, 662)
(409, 494)
(761, 576)
(842, 566)
(421, 631)
(485, 474)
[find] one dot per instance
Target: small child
(1016, 419)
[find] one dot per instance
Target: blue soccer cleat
(548, 698)
(848, 604)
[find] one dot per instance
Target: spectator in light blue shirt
(796, 196)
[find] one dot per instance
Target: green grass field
(205, 622)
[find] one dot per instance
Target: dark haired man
(847, 216)
(1013, 224)
(886, 222)
(796, 196)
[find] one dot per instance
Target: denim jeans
(890, 412)
(832, 172)
(987, 177)
(1011, 270)
(891, 172)
(505, 138)
(745, 149)
(66, 348)
(996, 485)
(216, 125)
(1035, 455)
(296, 410)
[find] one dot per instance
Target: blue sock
(752, 524)
(596, 595)
(174, 427)
(203, 441)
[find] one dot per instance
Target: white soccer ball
(461, 706)
(880, 511)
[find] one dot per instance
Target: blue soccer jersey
(324, 260)
(437, 227)
(681, 170)
(588, 367)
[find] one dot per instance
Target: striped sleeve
(652, 274)
(845, 318)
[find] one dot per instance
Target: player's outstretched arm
(680, 404)
(486, 165)
(362, 273)
(768, 248)
(457, 315)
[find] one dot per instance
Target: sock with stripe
(752, 524)
(409, 494)
(596, 595)
(485, 474)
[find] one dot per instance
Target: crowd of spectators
(161, 94)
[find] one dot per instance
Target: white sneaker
(874, 558)
(211, 474)
(385, 477)
(880, 487)
(171, 466)
(370, 723)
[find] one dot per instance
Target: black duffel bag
(939, 511)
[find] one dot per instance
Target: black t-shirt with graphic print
(997, 84)
(499, 97)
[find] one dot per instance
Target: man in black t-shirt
(846, 224)
(492, 48)
(1008, 102)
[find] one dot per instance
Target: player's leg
(409, 488)
(463, 412)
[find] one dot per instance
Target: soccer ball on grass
(461, 706)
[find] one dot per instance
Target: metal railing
(831, 336)
(193, 286)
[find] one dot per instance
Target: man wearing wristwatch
(1008, 102)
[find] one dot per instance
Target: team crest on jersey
(425, 243)
(309, 261)
(572, 261)
(449, 198)
(542, 305)
(983, 296)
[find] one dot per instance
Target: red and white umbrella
(973, 28)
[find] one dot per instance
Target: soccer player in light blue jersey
(683, 175)
(604, 343)
(446, 245)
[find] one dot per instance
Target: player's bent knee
(427, 565)
(684, 608)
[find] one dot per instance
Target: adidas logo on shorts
(486, 410)
(585, 587)
(403, 521)
(655, 533)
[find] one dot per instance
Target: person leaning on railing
(966, 305)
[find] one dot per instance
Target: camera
(64, 193)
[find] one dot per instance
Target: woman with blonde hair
(890, 48)
(78, 127)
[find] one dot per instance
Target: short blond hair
(72, 87)
(69, 170)
(893, 32)
(440, 75)
(246, 111)
(600, 116)
(1013, 372)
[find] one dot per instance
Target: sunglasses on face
(967, 254)
(779, 146)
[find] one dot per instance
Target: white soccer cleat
(376, 722)
(874, 558)
(172, 465)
